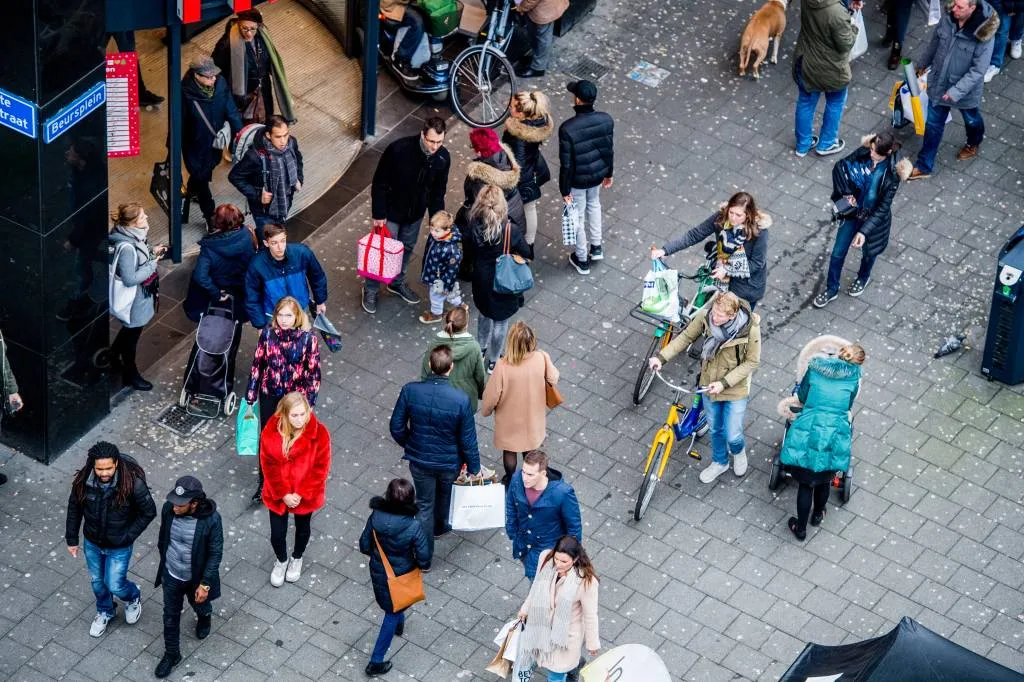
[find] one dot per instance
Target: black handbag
(160, 185)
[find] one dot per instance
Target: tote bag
(406, 589)
(569, 225)
(379, 257)
(247, 430)
(477, 507)
(511, 272)
(121, 296)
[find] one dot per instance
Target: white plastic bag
(661, 292)
(934, 12)
(121, 296)
(512, 646)
(860, 46)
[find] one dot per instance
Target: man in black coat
(269, 174)
(585, 150)
(411, 177)
(191, 545)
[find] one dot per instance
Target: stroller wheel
(775, 475)
(846, 485)
(230, 404)
(183, 398)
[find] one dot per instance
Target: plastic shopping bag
(569, 224)
(328, 331)
(860, 46)
(247, 429)
(934, 12)
(477, 506)
(661, 292)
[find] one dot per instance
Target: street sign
(17, 114)
(122, 104)
(74, 113)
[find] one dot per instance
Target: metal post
(368, 120)
(174, 126)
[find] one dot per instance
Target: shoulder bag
(222, 137)
(405, 589)
(511, 272)
(121, 296)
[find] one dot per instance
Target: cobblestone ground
(711, 578)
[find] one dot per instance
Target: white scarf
(550, 614)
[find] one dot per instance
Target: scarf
(720, 335)
(550, 614)
(239, 77)
(284, 173)
(730, 241)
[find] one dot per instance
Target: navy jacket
(534, 529)
(207, 545)
(585, 149)
(267, 281)
(221, 266)
(404, 541)
(197, 152)
(434, 422)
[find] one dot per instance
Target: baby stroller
(789, 408)
(210, 372)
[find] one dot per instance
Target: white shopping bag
(661, 292)
(512, 647)
(477, 507)
(860, 46)
(934, 12)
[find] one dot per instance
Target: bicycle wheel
(643, 498)
(484, 72)
(646, 376)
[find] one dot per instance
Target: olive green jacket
(826, 38)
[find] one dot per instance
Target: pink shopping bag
(380, 256)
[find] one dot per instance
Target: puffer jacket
(827, 35)
(532, 529)
(501, 170)
(197, 152)
(441, 260)
(267, 281)
(524, 138)
(221, 266)
(207, 545)
(586, 149)
(107, 524)
(404, 541)
(135, 265)
(434, 422)
(735, 360)
(959, 57)
(468, 373)
(819, 440)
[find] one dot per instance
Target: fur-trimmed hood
(903, 168)
(378, 503)
(825, 346)
(764, 221)
(529, 131)
(983, 22)
(490, 174)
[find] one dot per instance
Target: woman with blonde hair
(295, 456)
(287, 359)
(528, 126)
(516, 396)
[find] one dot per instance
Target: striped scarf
(550, 614)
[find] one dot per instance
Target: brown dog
(767, 23)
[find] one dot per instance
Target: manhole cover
(587, 69)
(180, 422)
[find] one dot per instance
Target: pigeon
(951, 345)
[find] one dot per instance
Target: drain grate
(588, 69)
(180, 422)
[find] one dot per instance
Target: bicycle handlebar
(700, 389)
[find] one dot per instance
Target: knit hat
(253, 15)
(204, 66)
(485, 141)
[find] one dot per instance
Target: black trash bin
(1004, 344)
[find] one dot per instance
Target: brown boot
(894, 56)
(968, 151)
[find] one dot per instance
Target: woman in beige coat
(515, 393)
(560, 612)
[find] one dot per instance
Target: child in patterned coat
(441, 261)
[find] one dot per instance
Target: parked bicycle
(482, 70)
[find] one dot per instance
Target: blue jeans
(1010, 28)
(726, 420)
(806, 103)
(408, 234)
(541, 38)
(936, 125)
(108, 569)
(387, 633)
(844, 237)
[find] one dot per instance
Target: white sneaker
(739, 463)
(294, 570)
(1015, 49)
(277, 574)
(992, 72)
(99, 624)
(133, 611)
(713, 471)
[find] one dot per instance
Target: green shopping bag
(661, 292)
(247, 429)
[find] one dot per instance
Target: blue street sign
(69, 116)
(17, 114)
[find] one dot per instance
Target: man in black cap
(191, 544)
(588, 160)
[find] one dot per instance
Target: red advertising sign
(122, 104)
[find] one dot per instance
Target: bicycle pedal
(694, 454)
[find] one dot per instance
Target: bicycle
(484, 70)
(683, 421)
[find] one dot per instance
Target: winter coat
(515, 394)
(268, 280)
(585, 149)
(404, 541)
(502, 171)
(524, 139)
(484, 255)
(434, 422)
(134, 266)
(543, 11)
(407, 182)
(959, 57)
(285, 360)
(197, 152)
(257, 75)
(735, 360)
(207, 545)
(223, 260)
(827, 35)
(468, 371)
(106, 524)
(303, 470)
(875, 223)
(9, 386)
(751, 289)
(441, 260)
(819, 440)
(533, 529)
(251, 174)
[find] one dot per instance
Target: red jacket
(303, 470)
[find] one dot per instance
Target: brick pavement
(711, 578)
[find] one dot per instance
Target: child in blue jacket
(441, 261)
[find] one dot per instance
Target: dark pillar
(53, 222)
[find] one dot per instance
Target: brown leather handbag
(552, 397)
(406, 589)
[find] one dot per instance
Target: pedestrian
(282, 269)
(135, 263)
(397, 12)
(488, 223)
(494, 165)
(224, 257)
(741, 246)
(433, 422)
(393, 528)
(528, 126)
(206, 106)
(867, 179)
(252, 68)
(411, 177)
(191, 545)
(468, 363)
(269, 174)
(957, 56)
(11, 399)
(125, 41)
(587, 157)
(110, 502)
(560, 613)
(541, 16)
(729, 356)
(821, 64)
(817, 442)
(441, 259)
(516, 394)
(897, 18)
(1011, 31)
(295, 454)
(287, 359)
(540, 508)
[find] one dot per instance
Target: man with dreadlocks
(111, 495)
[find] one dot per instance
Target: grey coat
(959, 57)
(133, 267)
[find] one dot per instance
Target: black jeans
(433, 498)
(804, 494)
(279, 533)
(200, 189)
(124, 349)
(175, 592)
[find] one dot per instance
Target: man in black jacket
(191, 545)
(269, 174)
(411, 177)
(110, 494)
(588, 160)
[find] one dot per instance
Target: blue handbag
(511, 272)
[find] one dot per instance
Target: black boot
(400, 629)
(257, 497)
(163, 668)
(203, 627)
(137, 382)
(374, 669)
(895, 53)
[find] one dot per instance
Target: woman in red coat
(295, 453)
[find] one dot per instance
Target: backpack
(246, 136)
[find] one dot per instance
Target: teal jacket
(819, 438)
